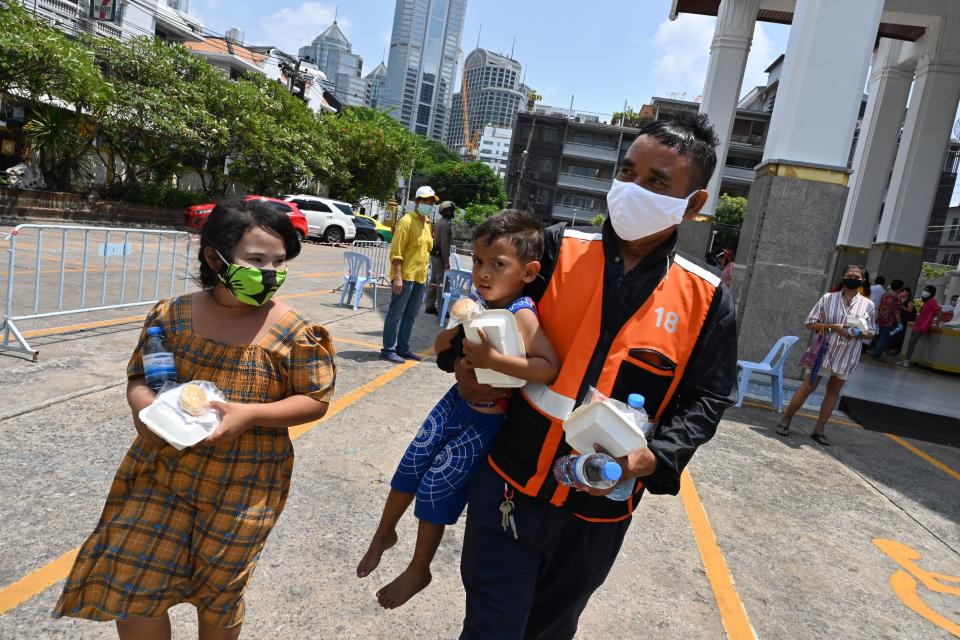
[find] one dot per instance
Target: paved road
(787, 547)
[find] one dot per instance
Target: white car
(329, 220)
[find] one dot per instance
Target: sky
(599, 52)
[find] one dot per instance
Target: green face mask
(251, 285)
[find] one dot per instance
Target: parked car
(197, 215)
(366, 229)
(327, 219)
(382, 230)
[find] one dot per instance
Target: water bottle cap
(155, 331)
(636, 400)
(611, 471)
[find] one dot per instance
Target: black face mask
(852, 283)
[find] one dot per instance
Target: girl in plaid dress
(188, 526)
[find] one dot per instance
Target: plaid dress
(188, 526)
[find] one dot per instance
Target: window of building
(587, 203)
(592, 139)
(953, 229)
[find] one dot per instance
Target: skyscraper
(334, 55)
(375, 80)
(422, 66)
(494, 95)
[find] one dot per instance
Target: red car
(197, 214)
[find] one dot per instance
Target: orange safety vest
(648, 355)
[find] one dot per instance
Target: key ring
(507, 491)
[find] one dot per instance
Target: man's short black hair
(522, 229)
(896, 285)
(693, 137)
(880, 280)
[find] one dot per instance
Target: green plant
(474, 214)
(728, 222)
(598, 220)
(931, 271)
(61, 143)
(472, 182)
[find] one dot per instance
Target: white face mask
(636, 212)
(424, 209)
(925, 295)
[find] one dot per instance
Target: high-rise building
(375, 81)
(494, 96)
(333, 55)
(494, 148)
(422, 67)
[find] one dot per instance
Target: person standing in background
(888, 317)
(928, 318)
(877, 290)
(726, 263)
(440, 256)
(409, 256)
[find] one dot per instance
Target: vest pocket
(647, 372)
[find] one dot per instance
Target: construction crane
(470, 149)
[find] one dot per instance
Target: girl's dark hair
(227, 223)
(522, 229)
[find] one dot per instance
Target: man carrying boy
(646, 321)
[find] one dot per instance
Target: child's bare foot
(404, 586)
(371, 558)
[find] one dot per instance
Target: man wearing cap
(409, 256)
(440, 256)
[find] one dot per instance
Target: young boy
(438, 464)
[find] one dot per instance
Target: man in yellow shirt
(410, 257)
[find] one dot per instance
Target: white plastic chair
(456, 284)
(359, 274)
(769, 368)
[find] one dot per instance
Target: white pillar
(721, 92)
(926, 133)
(877, 147)
(824, 71)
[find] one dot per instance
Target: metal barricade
(58, 270)
(379, 254)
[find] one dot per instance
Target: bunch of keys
(506, 511)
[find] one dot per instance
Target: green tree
(275, 143)
(157, 118)
(468, 183)
(370, 150)
(728, 221)
(477, 213)
(598, 220)
(431, 155)
(532, 99)
(40, 63)
(629, 118)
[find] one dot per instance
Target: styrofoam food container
(501, 329)
(163, 420)
(602, 423)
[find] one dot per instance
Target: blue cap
(636, 400)
(155, 331)
(611, 471)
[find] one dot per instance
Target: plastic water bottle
(624, 488)
(158, 364)
(597, 470)
(635, 402)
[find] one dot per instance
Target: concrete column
(898, 252)
(797, 199)
(732, 37)
(874, 155)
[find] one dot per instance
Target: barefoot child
(437, 465)
(188, 526)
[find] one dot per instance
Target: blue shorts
(444, 455)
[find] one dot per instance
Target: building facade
(494, 96)
(165, 19)
(494, 148)
(422, 66)
(333, 55)
(375, 81)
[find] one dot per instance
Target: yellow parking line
(70, 328)
(36, 581)
(804, 414)
(359, 343)
(924, 455)
(41, 579)
(732, 613)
